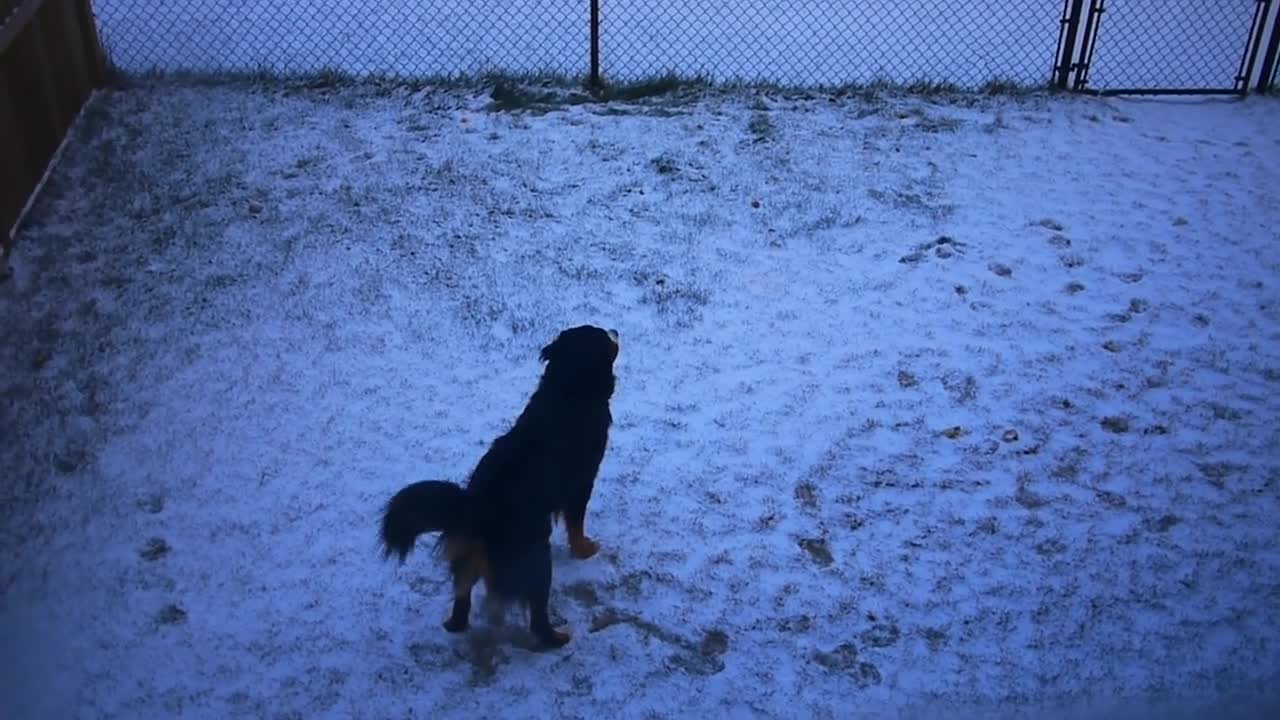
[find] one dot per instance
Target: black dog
(498, 528)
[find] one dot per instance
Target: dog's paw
(455, 625)
(554, 639)
(584, 548)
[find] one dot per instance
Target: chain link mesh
(391, 38)
(819, 42)
(967, 43)
(1185, 44)
(790, 42)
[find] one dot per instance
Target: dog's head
(585, 351)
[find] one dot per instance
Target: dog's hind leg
(538, 595)
(460, 618)
(575, 518)
(468, 567)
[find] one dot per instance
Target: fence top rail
(14, 16)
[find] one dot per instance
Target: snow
(857, 469)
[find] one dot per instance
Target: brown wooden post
(92, 44)
(13, 158)
(50, 62)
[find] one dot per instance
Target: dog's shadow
(489, 644)
(500, 631)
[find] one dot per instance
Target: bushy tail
(423, 507)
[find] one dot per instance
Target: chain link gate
(1269, 70)
(1168, 47)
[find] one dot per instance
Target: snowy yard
(926, 407)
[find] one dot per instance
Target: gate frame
(1244, 72)
(1271, 60)
(1068, 33)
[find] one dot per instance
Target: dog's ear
(549, 351)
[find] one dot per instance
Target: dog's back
(545, 461)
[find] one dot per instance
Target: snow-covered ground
(1191, 43)
(926, 407)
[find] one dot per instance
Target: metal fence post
(1267, 73)
(595, 43)
(1096, 8)
(1072, 10)
(1253, 45)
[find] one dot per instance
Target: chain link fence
(391, 38)
(964, 43)
(789, 42)
(819, 42)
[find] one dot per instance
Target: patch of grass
(657, 86)
(844, 659)
(508, 95)
(665, 165)
(329, 78)
(171, 614)
(962, 387)
(1162, 524)
(830, 218)
(881, 635)
(932, 87)
(679, 301)
(1004, 86)
(818, 550)
(155, 549)
(806, 493)
(762, 127)
(936, 124)
(324, 79)
(514, 93)
(260, 76)
(867, 93)
(549, 90)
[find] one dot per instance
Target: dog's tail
(423, 507)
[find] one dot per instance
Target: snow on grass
(924, 407)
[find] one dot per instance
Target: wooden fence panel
(13, 159)
(50, 62)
